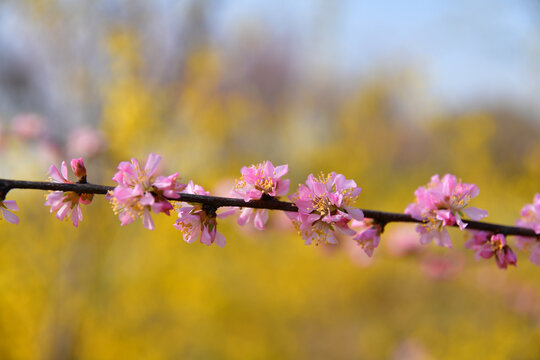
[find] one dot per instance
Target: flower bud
(78, 168)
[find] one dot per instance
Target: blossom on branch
(68, 202)
(140, 191)
(325, 204)
(443, 203)
(257, 181)
(530, 218)
(79, 170)
(7, 206)
(198, 221)
(487, 245)
(369, 235)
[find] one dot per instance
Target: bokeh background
(387, 93)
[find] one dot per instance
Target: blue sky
(467, 50)
(464, 51)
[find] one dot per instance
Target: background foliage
(157, 78)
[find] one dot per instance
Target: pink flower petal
(54, 200)
(474, 191)
(76, 215)
(331, 238)
(163, 182)
(147, 220)
(355, 213)
(344, 229)
(206, 237)
(125, 218)
(220, 240)
(171, 194)
(281, 170)
(55, 174)
(342, 183)
(475, 213)
(224, 213)
(162, 206)
(310, 182)
(64, 170)
(61, 214)
(147, 199)
(460, 223)
(123, 194)
(11, 205)
(245, 216)
(282, 187)
(535, 255)
(268, 169)
(261, 217)
(319, 189)
(190, 225)
(252, 194)
(10, 217)
(442, 238)
(152, 164)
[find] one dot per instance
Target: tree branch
(381, 217)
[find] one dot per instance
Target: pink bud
(77, 165)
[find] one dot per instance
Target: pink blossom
(7, 206)
(369, 235)
(257, 181)
(530, 218)
(324, 205)
(259, 217)
(261, 179)
(79, 170)
(486, 245)
(67, 203)
(477, 239)
(443, 203)
(140, 191)
(197, 221)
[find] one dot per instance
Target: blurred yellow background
(158, 78)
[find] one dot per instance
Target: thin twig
(381, 217)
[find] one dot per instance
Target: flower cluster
(323, 207)
(258, 181)
(441, 203)
(487, 245)
(140, 191)
(325, 204)
(197, 221)
(369, 235)
(530, 218)
(68, 202)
